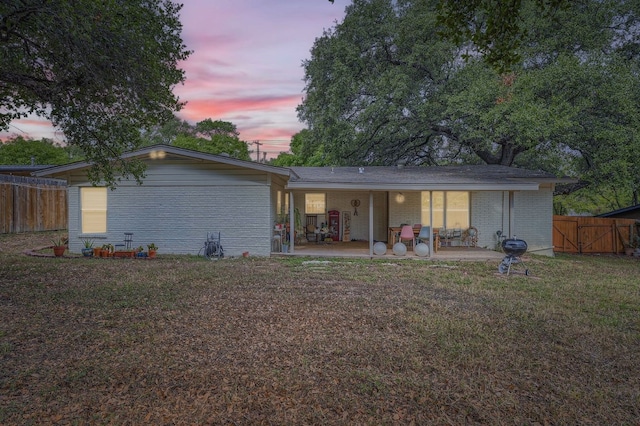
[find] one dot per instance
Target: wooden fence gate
(578, 234)
(32, 204)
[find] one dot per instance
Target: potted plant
(107, 250)
(152, 250)
(140, 252)
(59, 247)
(87, 250)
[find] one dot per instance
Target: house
(21, 170)
(632, 212)
(187, 194)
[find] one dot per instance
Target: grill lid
(514, 246)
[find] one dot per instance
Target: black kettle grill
(513, 248)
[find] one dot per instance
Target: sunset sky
(246, 66)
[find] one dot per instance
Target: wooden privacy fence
(578, 234)
(31, 204)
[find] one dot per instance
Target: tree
(214, 137)
(493, 27)
(19, 150)
(383, 87)
(303, 152)
(99, 70)
(167, 132)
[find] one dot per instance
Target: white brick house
(187, 194)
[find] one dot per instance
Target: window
(286, 203)
(450, 209)
(93, 205)
(457, 209)
(314, 203)
(279, 203)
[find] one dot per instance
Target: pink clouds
(32, 127)
(234, 106)
(246, 65)
(247, 62)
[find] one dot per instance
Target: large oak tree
(99, 70)
(384, 86)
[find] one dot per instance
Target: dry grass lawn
(182, 340)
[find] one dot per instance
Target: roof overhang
(419, 178)
(516, 186)
(159, 152)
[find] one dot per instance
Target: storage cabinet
(334, 225)
(346, 226)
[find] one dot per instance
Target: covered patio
(360, 249)
(362, 206)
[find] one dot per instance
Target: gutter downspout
(511, 214)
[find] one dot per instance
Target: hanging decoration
(355, 204)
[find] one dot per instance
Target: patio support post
(431, 242)
(371, 224)
(292, 222)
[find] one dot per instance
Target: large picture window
(93, 207)
(314, 203)
(450, 209)
(457, 211)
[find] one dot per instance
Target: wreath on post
(355, 204)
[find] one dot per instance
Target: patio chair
(276, 243)
(128, 240)
(126, 243)
(456, 235)
(311, 227)
(406, 233)
(471, 237)
(424, 235)
(445, 236)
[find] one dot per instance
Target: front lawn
(182, 340)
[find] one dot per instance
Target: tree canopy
(493, 27)
(213, 137)
(303, 153)
(384, 86)
(99, 70)
(21, 151)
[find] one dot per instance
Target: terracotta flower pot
(152, 254)
(97, 251)
(58, 251)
